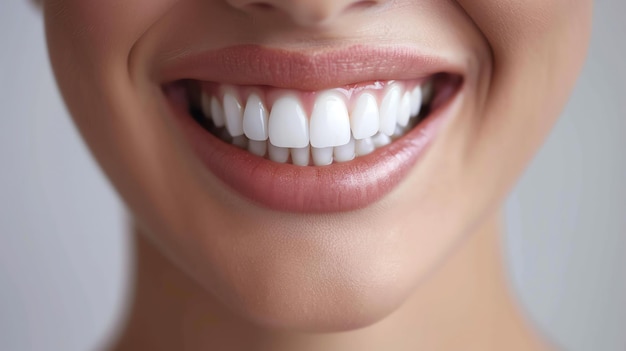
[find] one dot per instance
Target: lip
(285, 187)
(305, 70)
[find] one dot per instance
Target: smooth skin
(419, 270)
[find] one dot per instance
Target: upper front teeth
(330, 121)
(255, 119)
(288, 125)
(234, 114)
(353, 126)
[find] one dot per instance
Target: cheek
(102, 28)
(538, 49)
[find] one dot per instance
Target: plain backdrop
(64, 253)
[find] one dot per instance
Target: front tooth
(389, 110)
(330, 121)
(404, 113)
(365, 117)
(345, 153)
(416, 101)
(217, 112)
(278, 154)
(364, 147)
(288, 125)
(300, 156)
(258, 148)
(255, 119)
(322, 156)
(234, 114)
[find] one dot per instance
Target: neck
(465, 304)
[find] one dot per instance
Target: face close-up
(310, 162)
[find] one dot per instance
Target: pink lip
(308, 71)
(285, 187)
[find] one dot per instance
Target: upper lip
(305, 70)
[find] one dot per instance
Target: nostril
(261, 6)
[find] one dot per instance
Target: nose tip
(306, 13)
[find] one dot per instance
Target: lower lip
(335, 188)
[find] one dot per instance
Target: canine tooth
(404, 112)
(345, 153)
(217, 112)
(301, 156)
(364, 147)
(240, 141)
(233, 113)
(381, 140)
(258, 148)
(255, 119)
(288, 126)
(416, 101)
(278, 154)
(330, 121)
(365, 118)
(389, 110)
(322, 156)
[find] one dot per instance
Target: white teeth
(258, 148)
(322, 156)
(330, 122)
(345, 153)
(255, 119)
(381, 140)
(416, 101)
(234, 114)
(283, 132)
(364, 120)
(217, 112)
(288, 125)
(389, 109)
(278, 154)
(364, 147)
(404, 112)
(301, 156)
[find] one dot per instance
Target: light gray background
(63, 252)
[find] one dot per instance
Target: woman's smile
(340, 135)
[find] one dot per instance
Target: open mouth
(315, 128)
(298, 150)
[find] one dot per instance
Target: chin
(313, 285)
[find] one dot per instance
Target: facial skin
(315, 272)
